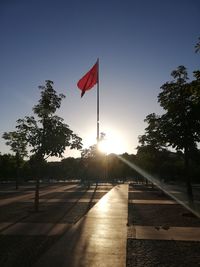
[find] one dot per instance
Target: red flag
(89, 79)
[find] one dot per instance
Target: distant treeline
(164, 165)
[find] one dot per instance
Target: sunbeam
(165, 188)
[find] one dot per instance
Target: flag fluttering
(89, 79)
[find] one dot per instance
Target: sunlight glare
(103, 204)
(112, 143)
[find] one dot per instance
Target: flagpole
(98, 102)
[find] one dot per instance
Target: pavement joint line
(60, 200)
(60, 191)
(22, 199)
(152, 191)
(152, 201)
(194, 208)
(29, 195)
(165, 233)
(35, 229)
(142, 191)
(82, 191)
(4, 226)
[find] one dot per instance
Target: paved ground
(161, 232)
(25, 235)
(88, 228)
(98, 239)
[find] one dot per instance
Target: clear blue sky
(138, 42)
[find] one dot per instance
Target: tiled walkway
(99, 239)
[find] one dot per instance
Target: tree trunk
(17, 182)
(37, 187)
(17, 178)
(17, 171)
(187, 175)
(37, 165)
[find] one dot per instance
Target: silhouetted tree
(151, 144)
(197, 46)
(180, 125)
(47, 135)
(153, 137)
(18, 143)
(7, 167)
(94, 162)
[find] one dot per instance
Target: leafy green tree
(47, 134)
(18, 143)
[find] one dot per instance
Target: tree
(180, 125)
(92, 165)
(18, 143)
(153, 136)
(152, 146)
(71, 168)
(94, 161)
(7, 167)
(197, 46)
(47, 135)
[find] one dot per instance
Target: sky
(138, 43)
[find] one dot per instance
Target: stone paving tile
(37, 229)
(11, 194)
(24, 250)
(77, 194)
(19, 210)
(64, 200)
(152, 201)
(155, 215)
(165, 232)
(68, 212)
(98, 240)
(148, 195)
(52, 220)
(162, 253)
(151, 218)
(14, 211)
(22, 196)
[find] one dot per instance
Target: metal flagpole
(98, 101)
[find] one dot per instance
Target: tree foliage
(153, 135)
(181, 122)
(179, 126)
(48, 135)
(18, 144)
(197, 46)
(17, 141)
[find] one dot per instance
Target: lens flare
(182, 199)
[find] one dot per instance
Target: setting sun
(112, 143)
